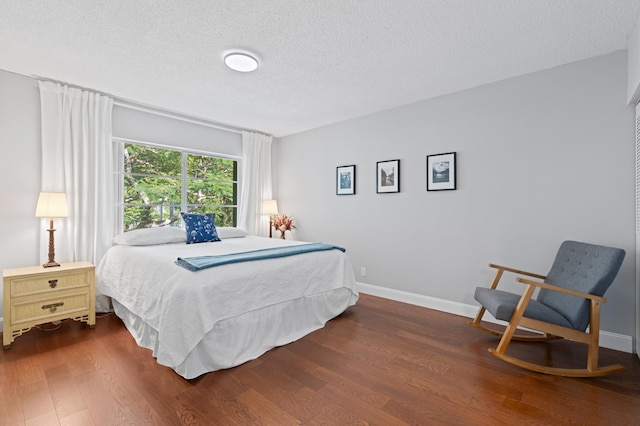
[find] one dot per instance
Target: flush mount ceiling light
(242, 62)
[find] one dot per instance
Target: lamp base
(52, 252)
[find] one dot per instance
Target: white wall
(20, 154)
(147, 127)
(633, 85)
(19, 172)
(541, 158)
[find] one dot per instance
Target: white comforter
(183, 306)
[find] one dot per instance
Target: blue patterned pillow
(201, 228)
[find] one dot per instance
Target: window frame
(118, 174)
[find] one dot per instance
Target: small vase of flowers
(283, 223)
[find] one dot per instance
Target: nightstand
(37, 295)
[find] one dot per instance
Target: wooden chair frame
(550, 331)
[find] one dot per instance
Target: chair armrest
(517, 271)
(562, 290)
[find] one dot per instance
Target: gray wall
(142, 126)
(19, 171)
(20, 153)
(633, 85)
(541, 158)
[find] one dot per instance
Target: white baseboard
(618, 342)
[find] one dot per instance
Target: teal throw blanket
(202, 262)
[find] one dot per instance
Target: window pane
(225, 216)
(211, 192)
(150, 201)
(136, 217)
(200, 166)
(152, 161)
(151, 190)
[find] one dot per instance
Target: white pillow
(230, 232)
(151, 236)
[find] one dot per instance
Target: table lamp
(270, 207)
(51, 205)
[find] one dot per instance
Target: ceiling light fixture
(241, 62)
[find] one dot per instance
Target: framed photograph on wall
(346, 180)
(441, 172)
(388, 176)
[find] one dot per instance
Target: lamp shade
(52, 205)
(269, 207)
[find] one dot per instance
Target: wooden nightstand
(37, 295)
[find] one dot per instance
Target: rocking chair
(568, 301)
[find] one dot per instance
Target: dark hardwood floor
(381, 362)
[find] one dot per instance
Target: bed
(222, 316)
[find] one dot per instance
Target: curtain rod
(126, 103)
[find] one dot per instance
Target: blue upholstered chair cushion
(583, 267)
(201, 228)
(502, 304)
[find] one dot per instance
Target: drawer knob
(52, 307)
(53, 283)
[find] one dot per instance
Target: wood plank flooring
(382, 362)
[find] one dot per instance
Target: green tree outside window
(159, 183)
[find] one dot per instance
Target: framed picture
(441, 172)
(346, 180)
(388, 176)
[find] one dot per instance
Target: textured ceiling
(321, 61)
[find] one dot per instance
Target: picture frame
(388, 176)
(346, 180)
(441, 172)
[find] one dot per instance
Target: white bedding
(221, 312)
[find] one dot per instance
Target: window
(157, 183)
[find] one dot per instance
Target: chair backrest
(582, 267)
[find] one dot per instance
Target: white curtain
(77, 158)
(256, 183)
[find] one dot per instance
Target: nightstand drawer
(63, 305)
(36, 285)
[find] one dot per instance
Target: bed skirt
(234, 341)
